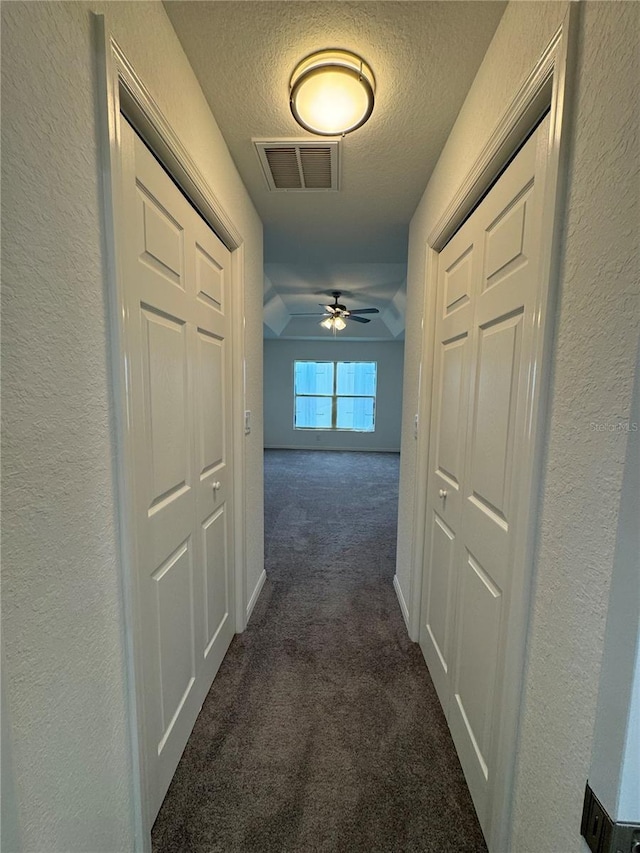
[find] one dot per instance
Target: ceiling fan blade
(364, 311)
(358, 319)
(307, 314)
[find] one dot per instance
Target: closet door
(176, 333)
(454, 322)
(470, 567)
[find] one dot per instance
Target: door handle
(215, 485)
(443, 493)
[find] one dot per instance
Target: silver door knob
(443, 493)
(215, 485)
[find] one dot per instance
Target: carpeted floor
(322, 731)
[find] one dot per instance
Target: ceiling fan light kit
(335, 324)
(332, 92)
(336, 315)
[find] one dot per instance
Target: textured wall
(615, 759)
(597, 328)
(278, 393)
(9, 830)
(64, 667)
(597, 338)
(62, 615)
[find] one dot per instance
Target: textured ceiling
(424, 56)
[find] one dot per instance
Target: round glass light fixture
(334, 324)
(332, 92)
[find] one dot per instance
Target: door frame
(546, 89)
(121, 92)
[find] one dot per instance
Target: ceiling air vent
(292, 165)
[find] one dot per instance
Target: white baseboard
(321, 447)
(401, 601)
(256, 594)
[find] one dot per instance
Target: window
(335, 395)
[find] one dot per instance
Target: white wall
(279, 357)
(9, 830)
(615, 762)
(62, 611)
(628, 810)
(596, 336)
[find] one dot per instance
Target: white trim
(239, 437)
(527, 522)
(109, 129)
(324, 447)
(255, 595)
(425, 384)
(547, 87)
(401, 601)
(533, 99)
(137, 103)
(120, 89)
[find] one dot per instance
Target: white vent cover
(294, 165)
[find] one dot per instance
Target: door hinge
(601, 833)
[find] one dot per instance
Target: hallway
(322, 730)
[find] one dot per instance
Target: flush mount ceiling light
(332, 92)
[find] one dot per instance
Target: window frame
(334, 396)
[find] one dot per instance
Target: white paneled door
(487, 318)
(176, 274)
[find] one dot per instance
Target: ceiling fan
(335, 315)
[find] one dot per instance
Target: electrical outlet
(601, 833)
(594, 823)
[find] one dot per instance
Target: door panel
(504, 240)
(209, 279)
(457, 283)
(476, 653)
(161, 243)
(439, 601)
(176, 282)
(485, 330)
(164, 353)
(493, 417)
(216, 586)
(449, 461)
(210, 389)
(480, 612)
(174, 613)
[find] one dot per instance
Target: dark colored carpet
(322, 731)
